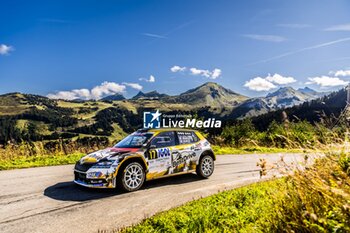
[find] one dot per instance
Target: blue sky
(102, 47)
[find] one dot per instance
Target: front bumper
(80, 179)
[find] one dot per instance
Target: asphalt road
(46, 200)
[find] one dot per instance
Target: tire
(132, 177)
(205, 167)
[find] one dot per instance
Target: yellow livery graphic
(145, 155)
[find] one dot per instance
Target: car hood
(109, 153)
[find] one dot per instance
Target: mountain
(314, 110)
(209, 94)
(287, 97)
(113, 97)
(312, 92)
(152, 95)
(308, 90)
(17, 103)
(282, 98)
(26, 117)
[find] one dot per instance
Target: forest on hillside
(311, 118)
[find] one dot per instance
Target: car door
(186, 152)
(159, 154)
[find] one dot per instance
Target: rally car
(145, 155)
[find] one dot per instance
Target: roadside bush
(239, 134)
(302, 133)
(292, 135)
(276, 135)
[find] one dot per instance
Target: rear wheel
(205, 166)
(132, 177)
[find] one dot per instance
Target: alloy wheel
(134, 176)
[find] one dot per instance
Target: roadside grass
(315, 198)
(23, 158)
(39, 161)
(246, 209)
(222, 150)
(27, 155)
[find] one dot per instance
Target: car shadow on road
(69, 191)
(173, 180)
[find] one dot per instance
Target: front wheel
(205, 166)
(132, 177)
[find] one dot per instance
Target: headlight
(104, 164)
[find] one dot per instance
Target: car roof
(165, 130)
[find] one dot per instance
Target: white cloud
(269, 82)
(175, 69)
(340, 73)
(154, 35)
(259, 84)
(340, 27)
(98, 92)
(293, 25)
(279, 79)
(216, 73)
(71, 95)
(151, 79)
(135, 86)
(195, 71)
(302, 50)
(269, 38)
(5, 49)
(82, 93)
(326, 81)
(106, 88)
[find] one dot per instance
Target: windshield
(135, 140)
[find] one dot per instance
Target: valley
(28, 117)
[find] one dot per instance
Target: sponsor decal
(154, 120)
(97, 185)
(181, 158)
(90, 175)
(94, 157)
(159, 153)
(163, 152)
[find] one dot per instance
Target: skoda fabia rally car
(145, 155)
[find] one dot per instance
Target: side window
(187, 137)
(164, 139)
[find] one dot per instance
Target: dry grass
(317, 198)
(35, 154)
(313, 197)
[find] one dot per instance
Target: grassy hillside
(35, 118)
(25, 117)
